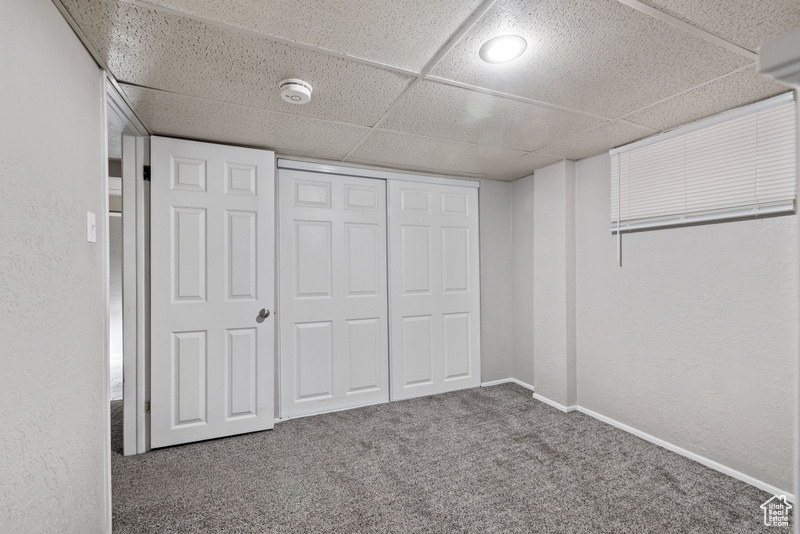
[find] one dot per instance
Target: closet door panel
(434, 288)
(333, 313)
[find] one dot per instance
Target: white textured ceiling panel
(598, 56)
(732, 91)
(147, 47)
(400, 33)
(447, 112)
(411, 152)
(587, 144)
(747, 23)
(193, 118)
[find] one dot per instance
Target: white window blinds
(735, 165)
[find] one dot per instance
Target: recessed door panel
(188, 174)
(417, 351)
(189, 375)
(456, 341)
(416, 262)
(362, 245)
(241, 254)
(240, 179)
(313, 259)
(455, 259)
(314, 353)
(189, 254)
(242, 361)
(364, 354)
(333, 312)
(212, 262)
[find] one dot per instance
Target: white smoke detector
(295, 91)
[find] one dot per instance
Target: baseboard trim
(506, 381)
(691, 455)
(554, 404)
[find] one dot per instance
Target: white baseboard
(506, 381)
(554, 404)
(692, 456)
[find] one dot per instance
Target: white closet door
(435, 288)
(212, 270)
(333, 295)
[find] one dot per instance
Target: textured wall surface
(694, 339)
(52, 411)
(554, 282)
(115, 284)
(522, 258)
(496, 289)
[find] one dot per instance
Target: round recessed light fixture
(295, 91)
(503, 49)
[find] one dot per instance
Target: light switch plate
(91, 227)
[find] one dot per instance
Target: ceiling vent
(295, 91)
(780, 58)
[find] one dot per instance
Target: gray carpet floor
(481, 460)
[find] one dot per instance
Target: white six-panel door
(435, 288)
(212, 270)
(333, 292)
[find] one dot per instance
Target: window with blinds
(735, 165)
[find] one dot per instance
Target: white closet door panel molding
(213, 269)
(434, 288)
(333, 293)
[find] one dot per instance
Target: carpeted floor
(480, 460)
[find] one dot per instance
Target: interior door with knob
(212, 285)
(334, 329)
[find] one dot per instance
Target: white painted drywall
(694, 339)
(522, 276)
(554, 282)
(496, 287)
(115, 285)
(53, 417)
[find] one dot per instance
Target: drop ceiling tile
(448, 112)
(401, 34)
(193, 118)
(602, 139)
(150, 48)
(734, 90)
(599, 56)
(403, 151)
(747, 23)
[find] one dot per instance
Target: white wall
(554, 282)
(694, 339)
(496, 287)
(53, 418)
(522, 266)
(115, 284)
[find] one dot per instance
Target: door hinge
(146, 173)
(147, 406)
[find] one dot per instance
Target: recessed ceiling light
(503, 49)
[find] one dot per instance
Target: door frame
(135, 249)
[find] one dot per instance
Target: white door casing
(212, 270)
(434, 264)
(333, 292)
